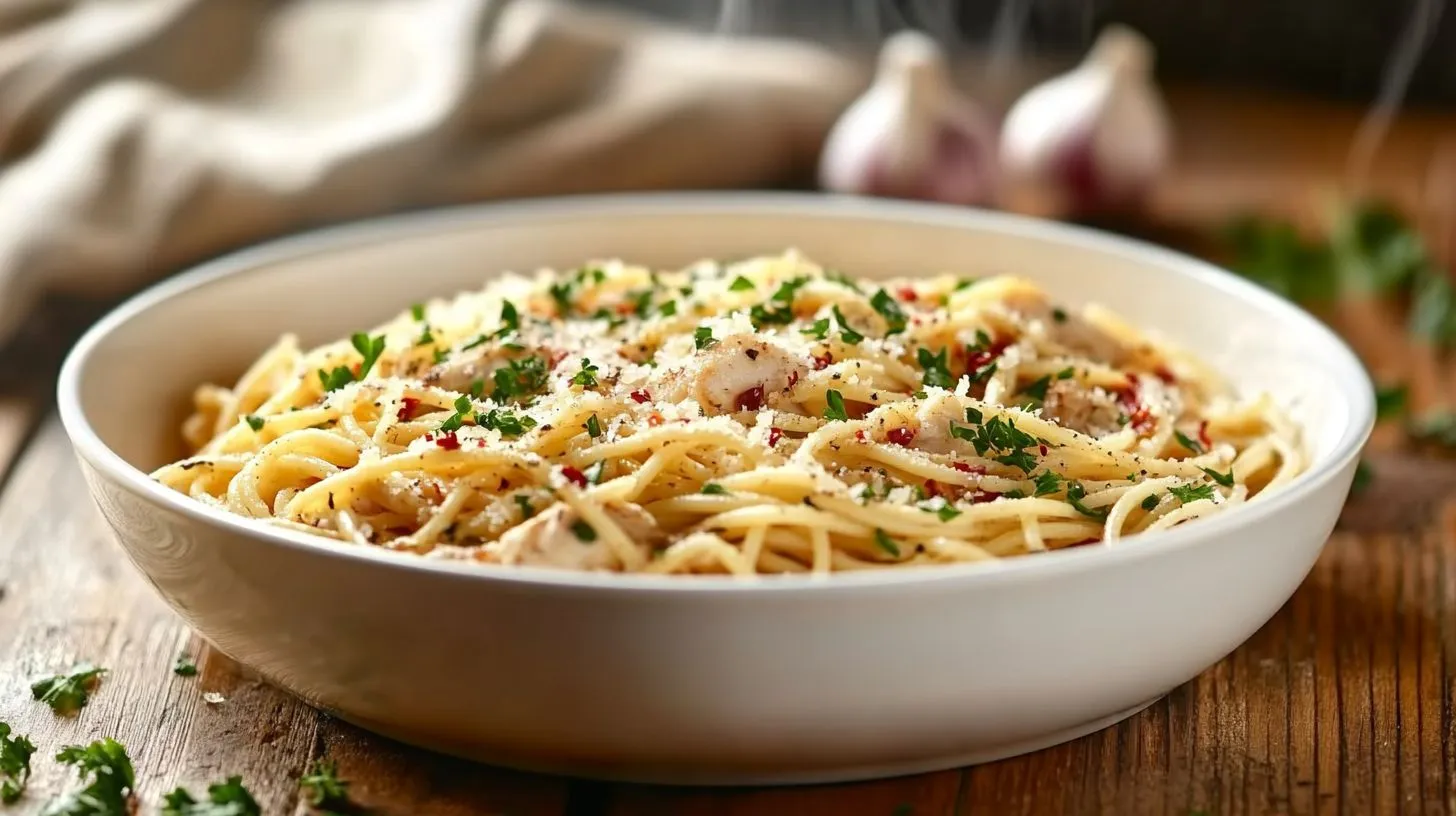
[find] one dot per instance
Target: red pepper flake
(982, 496)
(980, 359)
(966, 467)
(932, 489)
(793, 378)
(575, 476)
(1043, 450)
(503, 485)
(556, 357)
(901, 436)
(1165, 374)
(750, 400)
(355, 369)
(654, 420)
(1203, 435)
(407, 408)
(640, 396)
(774, 435)
(448, 441)
(906, 293)
(860, 435)
(822, 361)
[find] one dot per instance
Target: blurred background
(1308, 144)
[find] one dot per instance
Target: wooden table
(1341, 704)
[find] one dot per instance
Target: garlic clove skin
(911, 134)
(1095, 138)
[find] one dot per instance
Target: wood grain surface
(1342, 704)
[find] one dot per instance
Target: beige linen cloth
(140, 135)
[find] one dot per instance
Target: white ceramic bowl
(705, 680)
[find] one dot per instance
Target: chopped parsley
(507, 423)
(714, 489)
(703, 338)
(741, 284)
(1047, 483)
(1076, 491)
(417, 311)
(439, 356)
(1021, 459)
(841, 279)
(510, 319)
(463, 409)
(228, 798)
(109, 780)
(762, 316)
(1225, 479)
(593, 426)
(1038, 389)
(587, 376)
(1150, 503)
(368, 347)
(894, 316)
(15, 754)
(426, 337)
(834, 408)
(642, 303)
(884, 542)
(1390, 401)
(965, 283)
(786, 291)
(1066, 373)
(519, 378)
(1059, 315)
(936, 368)
(477, 387)
(524, 502)
(1188, 442)
(561, 293)
(593, 473)
(323, 788)
(668, 309)
(984, 373)
(819, 329)
(847, 334)
(184, 667)
(945, 511)
(974, 415)
(480, 340)
(254, 421)
(1191, 493)
(583, 531)
(68, 693)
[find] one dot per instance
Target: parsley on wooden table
(322, 788)
(108, 777)
(227, 798)
(68, 693)
(15, 753)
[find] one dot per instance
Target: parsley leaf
(1038, 389)
(184, 667)
(583, 531)
(834, 409)
(890, 310)
(107, 771)
(1188, 442)
(819, 329)
(786, 291)
(593, 426)
(1066, 373)
(1076, 491)
(741, 284)
(561, 293)
(668, 309)
(594, 471)
(936, 367)
(228, 798)
(519, 378)
(369, 348)
(1191, 493)
(973, 415)
(68, 693)
(642, 303)
(587, 376)
(714, 489)
(703, 338)
(846, 333)
(15, 754)
(323, 788)
(507, 423)
(1275, 255)
(763, 317)
(254, 421)
(884, 542)
(1225, 479)
(1391, 401)
(417, 311)
(463, 409)
(1059, 315)
(510, 319)
(1150, 503)
(1047, 483)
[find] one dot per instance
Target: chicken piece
(1090, 411)
(1065, 328)
(740, 373)
(549, 540)
(936, 416)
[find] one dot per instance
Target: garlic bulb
(1094, 138)
(911, 135)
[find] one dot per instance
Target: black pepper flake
(875, 397)
(189, 465)
(545, 428)
(751, 353)
(837, 377)
(331, 501)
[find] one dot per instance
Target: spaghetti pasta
(761, 416)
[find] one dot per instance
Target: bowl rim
(1350, 375)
